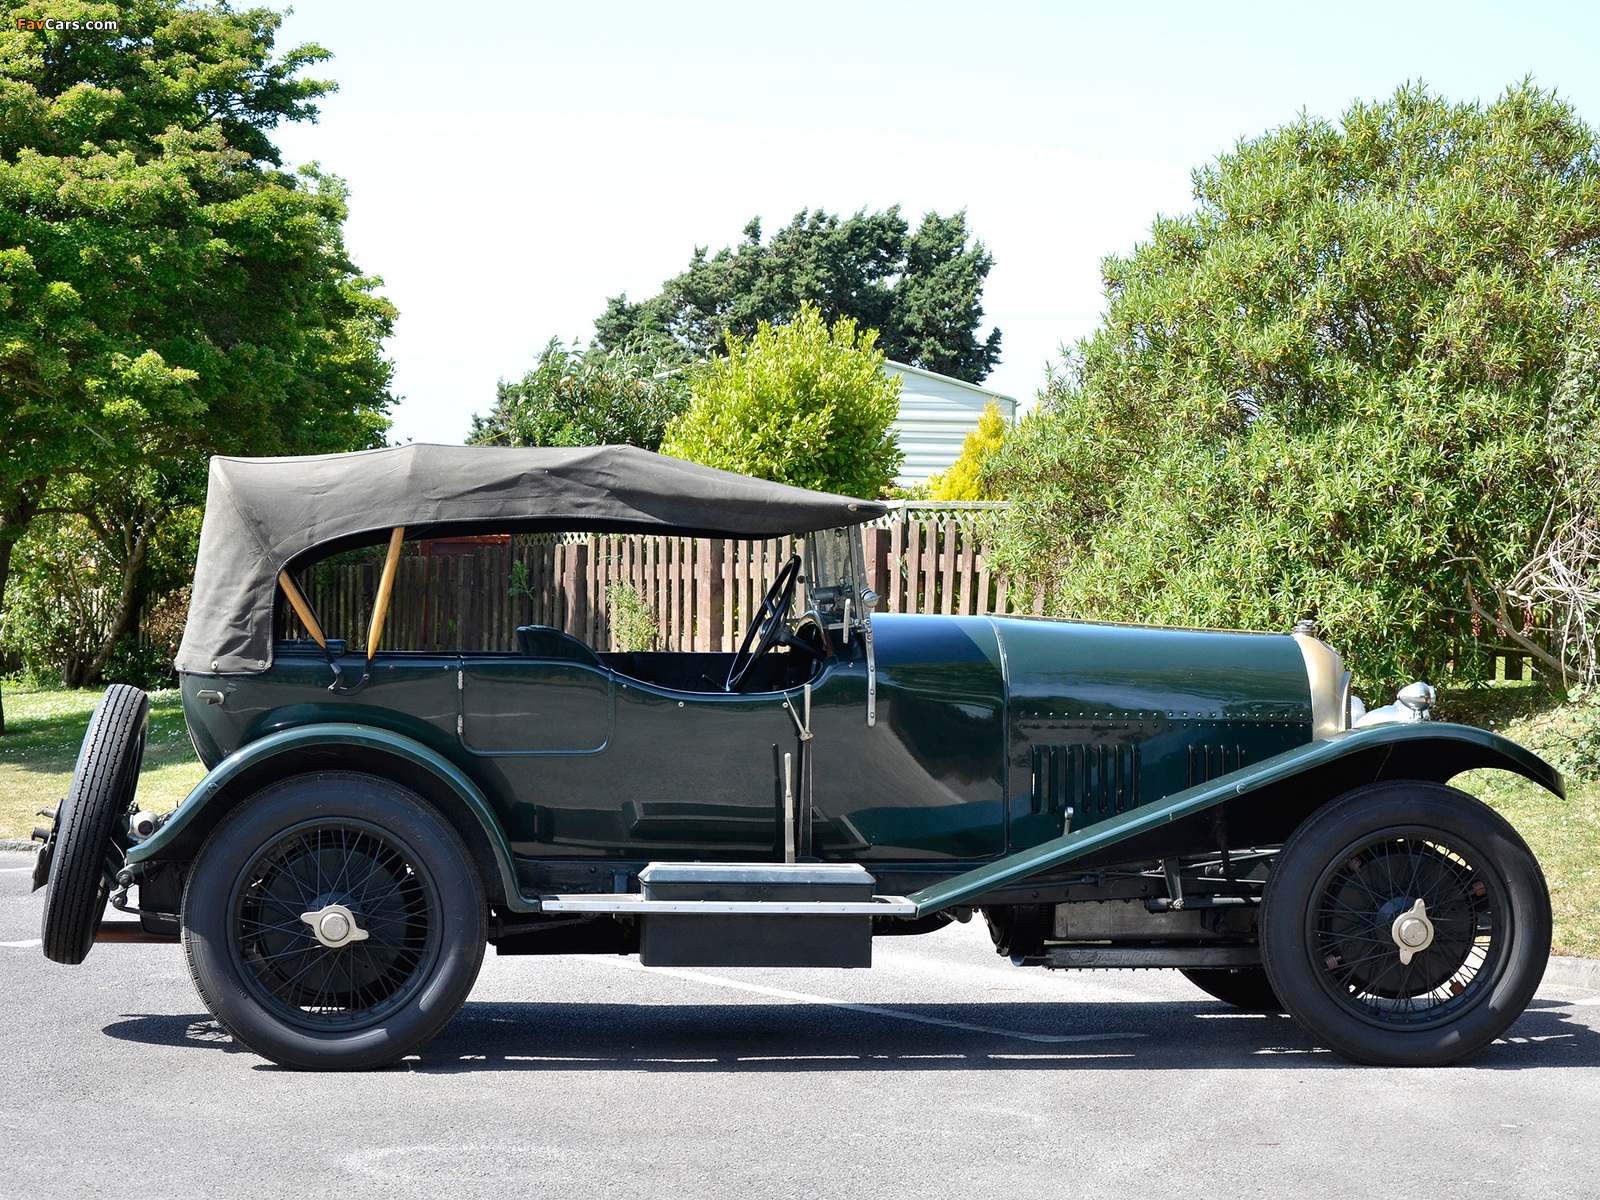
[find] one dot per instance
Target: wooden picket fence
(934, 562)
(698, 591)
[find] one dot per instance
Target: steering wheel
(770, 628)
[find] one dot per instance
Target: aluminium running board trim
(635, 904)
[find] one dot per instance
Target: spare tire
(92, 823)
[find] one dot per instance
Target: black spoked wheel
(1409, 928)
(1406, 924)
(333, 927)
(334, 921)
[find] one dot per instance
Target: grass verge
(40, 748)
(1565, 836)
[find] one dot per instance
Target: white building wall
(936, 414)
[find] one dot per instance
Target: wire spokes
(1356, 907)
(353, 865)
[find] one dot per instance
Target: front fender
(332, 746)
(1262, 803)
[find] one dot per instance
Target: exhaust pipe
(128, 932)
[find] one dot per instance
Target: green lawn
(40, 748)
(1566, 837)
(44, 728)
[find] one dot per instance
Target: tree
(1324, 393)
(165, 292)
(593, 397)
(799, 403)
(966, 479)
(921, 291)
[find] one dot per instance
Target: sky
(511, 166)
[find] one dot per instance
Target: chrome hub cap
(1412, 931)
(334, 925)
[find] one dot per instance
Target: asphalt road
(942, 1072)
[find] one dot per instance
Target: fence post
(877, 555)
(897, 563)
(947, 568)
(913, 600)
(728, 568)
(466, 603)
(576, 587)
(711, 593)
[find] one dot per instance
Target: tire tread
(113, 746)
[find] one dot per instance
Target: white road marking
(1069, 985)
(875, 1010)
(1589, 1000)
(1051, 1057)
(14, 870)
(29, 945)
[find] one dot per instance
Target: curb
(21, 845)
(1573, 972)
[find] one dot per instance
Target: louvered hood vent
(1093, 781)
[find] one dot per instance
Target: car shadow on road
(784, 1038)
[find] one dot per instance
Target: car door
(521, 706)
(597, 763)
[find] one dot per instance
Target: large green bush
(586, 397)
(1328, 392)
(799, 403)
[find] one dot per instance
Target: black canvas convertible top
(264, 513)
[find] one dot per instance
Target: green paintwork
(988, 729)
(335, 734)
(1492, 749)
(1104, 718)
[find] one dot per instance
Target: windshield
(835, 574)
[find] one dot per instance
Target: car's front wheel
(334, 921)
(1405, 924)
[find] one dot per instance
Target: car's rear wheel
(1406, 924)
(334, 921)
(1243, 987)
(86, 843)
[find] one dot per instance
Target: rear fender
(1257, 805)
(342, 747)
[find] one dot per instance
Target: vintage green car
(1104, 795)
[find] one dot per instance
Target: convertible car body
(1104, 796)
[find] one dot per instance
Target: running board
(634, 904)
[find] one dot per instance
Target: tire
(407, 886)
(92, 823)
(1332, 913)
(1019, 930)
(1243, 987)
